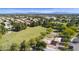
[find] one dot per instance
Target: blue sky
(38, 10)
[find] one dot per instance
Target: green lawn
(18, 37)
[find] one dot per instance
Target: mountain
(40, 13)
(61, 13)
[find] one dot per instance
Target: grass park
(18, 37)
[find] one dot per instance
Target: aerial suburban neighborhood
(39, 32)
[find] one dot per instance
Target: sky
(38, 10)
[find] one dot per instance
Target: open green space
(18, 37)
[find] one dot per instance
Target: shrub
(23, 45)
(40, 45)
(43, 33)
(2, 29)
(48, 30)
(13, 47)
(32, 42)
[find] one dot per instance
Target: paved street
(75, 45)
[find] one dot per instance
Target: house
(58, 39)
(8, 25)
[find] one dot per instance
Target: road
(75, 45)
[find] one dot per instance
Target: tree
(48, 30)
(13, 47)
(74, 28)
(78, 35)
(32, 24)
(19, 26)
(67, 33)
(16, 27)
(69, 24)
(2, 29)
(23, 26)
(36, 44)
(23, 46)
(43, 33)
(45, 23)
(40, 45)
(41, 37)
(51, 19)
(32, 42)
